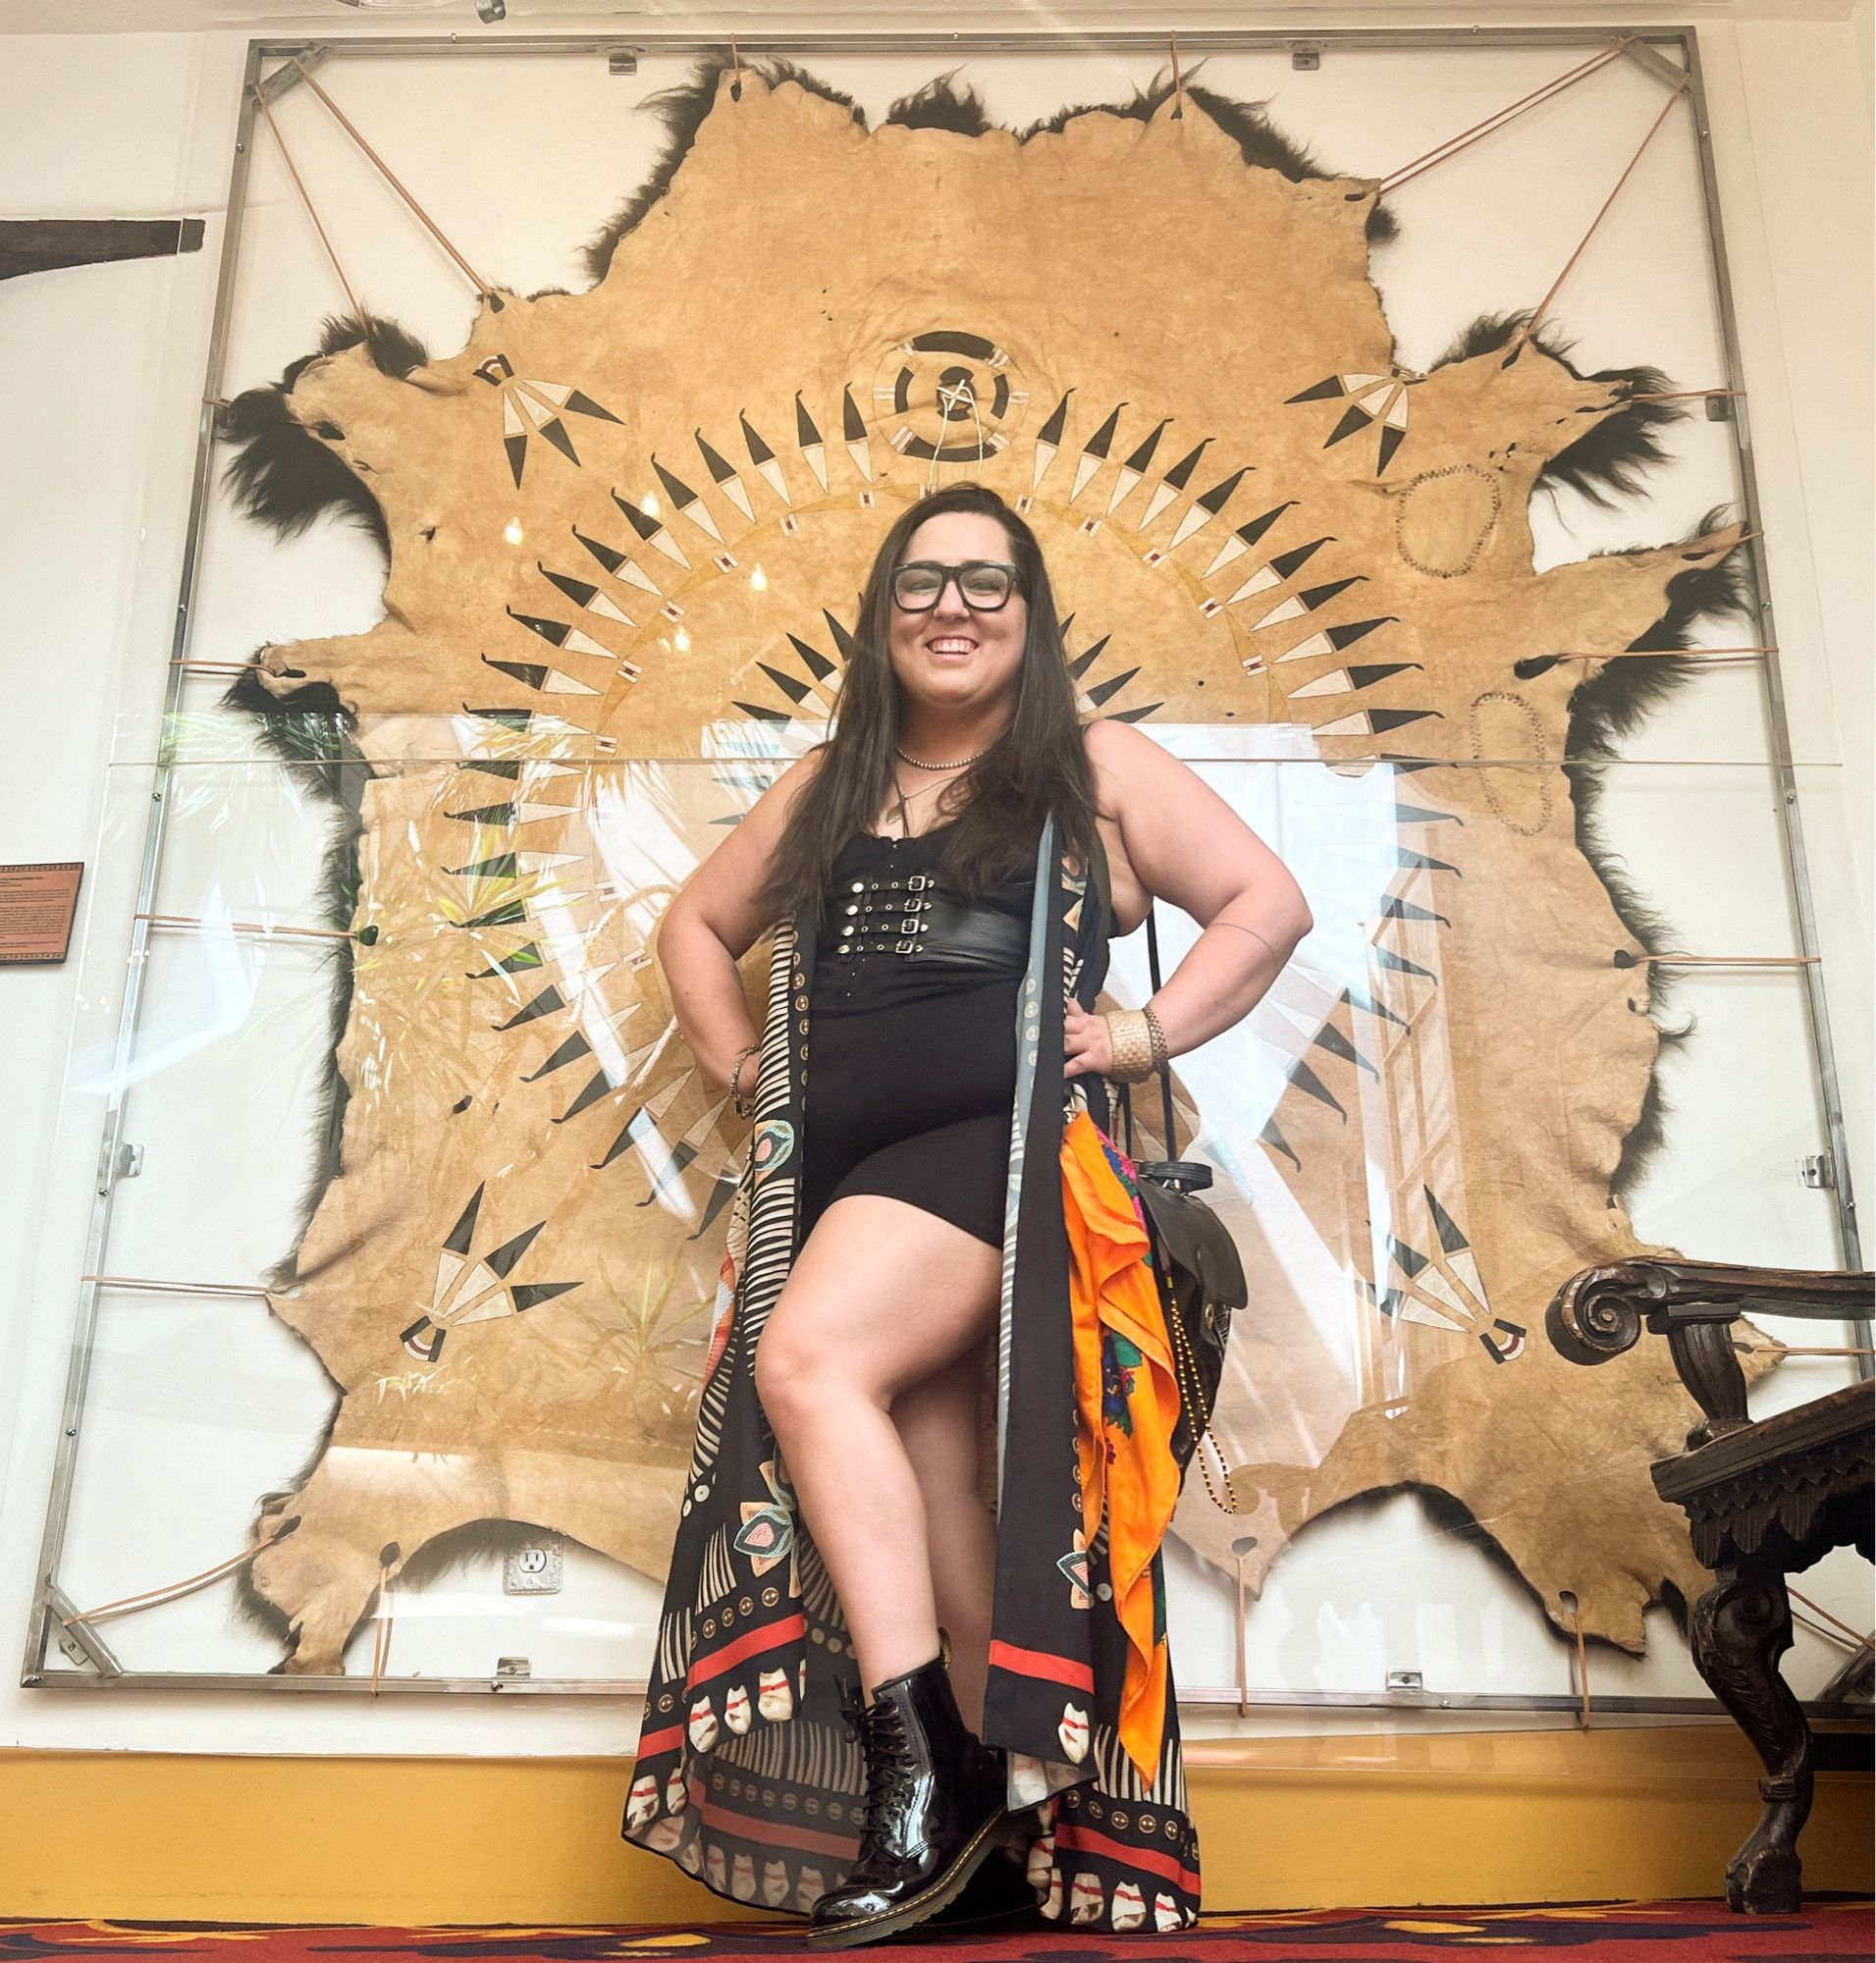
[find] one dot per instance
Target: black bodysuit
(910, 1088)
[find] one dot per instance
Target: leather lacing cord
(1192, 1397)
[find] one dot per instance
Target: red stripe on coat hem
(769, 1637)
(1155, 1863)
(1038, 1663)
(651, 1743)
(765, 1833)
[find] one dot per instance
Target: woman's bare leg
(939, 1422)
(882, 1297)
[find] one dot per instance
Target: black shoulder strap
(1153, 975)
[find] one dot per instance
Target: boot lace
(890, 1785)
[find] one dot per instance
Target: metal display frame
(54, 1620)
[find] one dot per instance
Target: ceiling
(805, 17)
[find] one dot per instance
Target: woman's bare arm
(716, 920)
(1184, 844)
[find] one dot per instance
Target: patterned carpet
(1600, 1933)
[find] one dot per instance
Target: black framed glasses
(984, 585)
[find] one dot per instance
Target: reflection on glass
(518, 1187)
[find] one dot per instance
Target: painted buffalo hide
(629, 526)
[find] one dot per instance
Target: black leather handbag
(1201, 1278)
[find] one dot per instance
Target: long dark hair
(1036, 769)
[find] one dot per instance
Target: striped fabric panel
(771, 1213)
(1028, 1004)
(1120, 1776)
(801, 1751)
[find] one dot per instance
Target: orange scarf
(1127, 1401)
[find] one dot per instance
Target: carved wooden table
(1763, 1500)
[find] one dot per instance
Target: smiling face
(954, 659)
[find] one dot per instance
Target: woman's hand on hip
(1087, 1044)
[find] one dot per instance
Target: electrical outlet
(535, 1569)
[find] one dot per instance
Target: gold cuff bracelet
(1131, 1039)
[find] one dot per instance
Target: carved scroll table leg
(1740, 1627)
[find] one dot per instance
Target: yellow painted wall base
(1291, 1823)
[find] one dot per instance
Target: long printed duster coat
(749, 1773)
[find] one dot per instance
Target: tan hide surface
(508, 1041)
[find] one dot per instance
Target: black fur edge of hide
(682, 108)
(1612, 459)
(1605, 708)
(943, 104)
(449, 1551)
(1259, 141)
(308, 731)
(282, 474)
(283, 477)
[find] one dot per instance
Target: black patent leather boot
(935, 1810)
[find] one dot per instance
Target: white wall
(104, 366)
(1797, 188)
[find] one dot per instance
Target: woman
(941, 876)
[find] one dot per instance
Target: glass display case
(294, 1017)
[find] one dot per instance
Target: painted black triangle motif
(1353, 420)
(1079, 666)
(758, 451)
(1274, 1138)
(1257, 526)
(571, 1051)
(796, 691)
(1330, 1038)
(463, 1233)
(584, 405)
(815, 663)
(530, 674)
(1102, 439)
(721, 469)
(1181, 471)
(1052, 430)
(1354, 630)
(510, 1252)
(1285, 565)
(1219, 496)
(642, 522)
(1142, 457)
(1110, 687)
(1305, 1080)
(556, 433)
(680, 493)
(1451, 1239)
(1398, 964)
(582, 593)
(612, 561)
(556, 631)
(546, 1003)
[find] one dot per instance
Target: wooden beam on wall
(40, 244)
